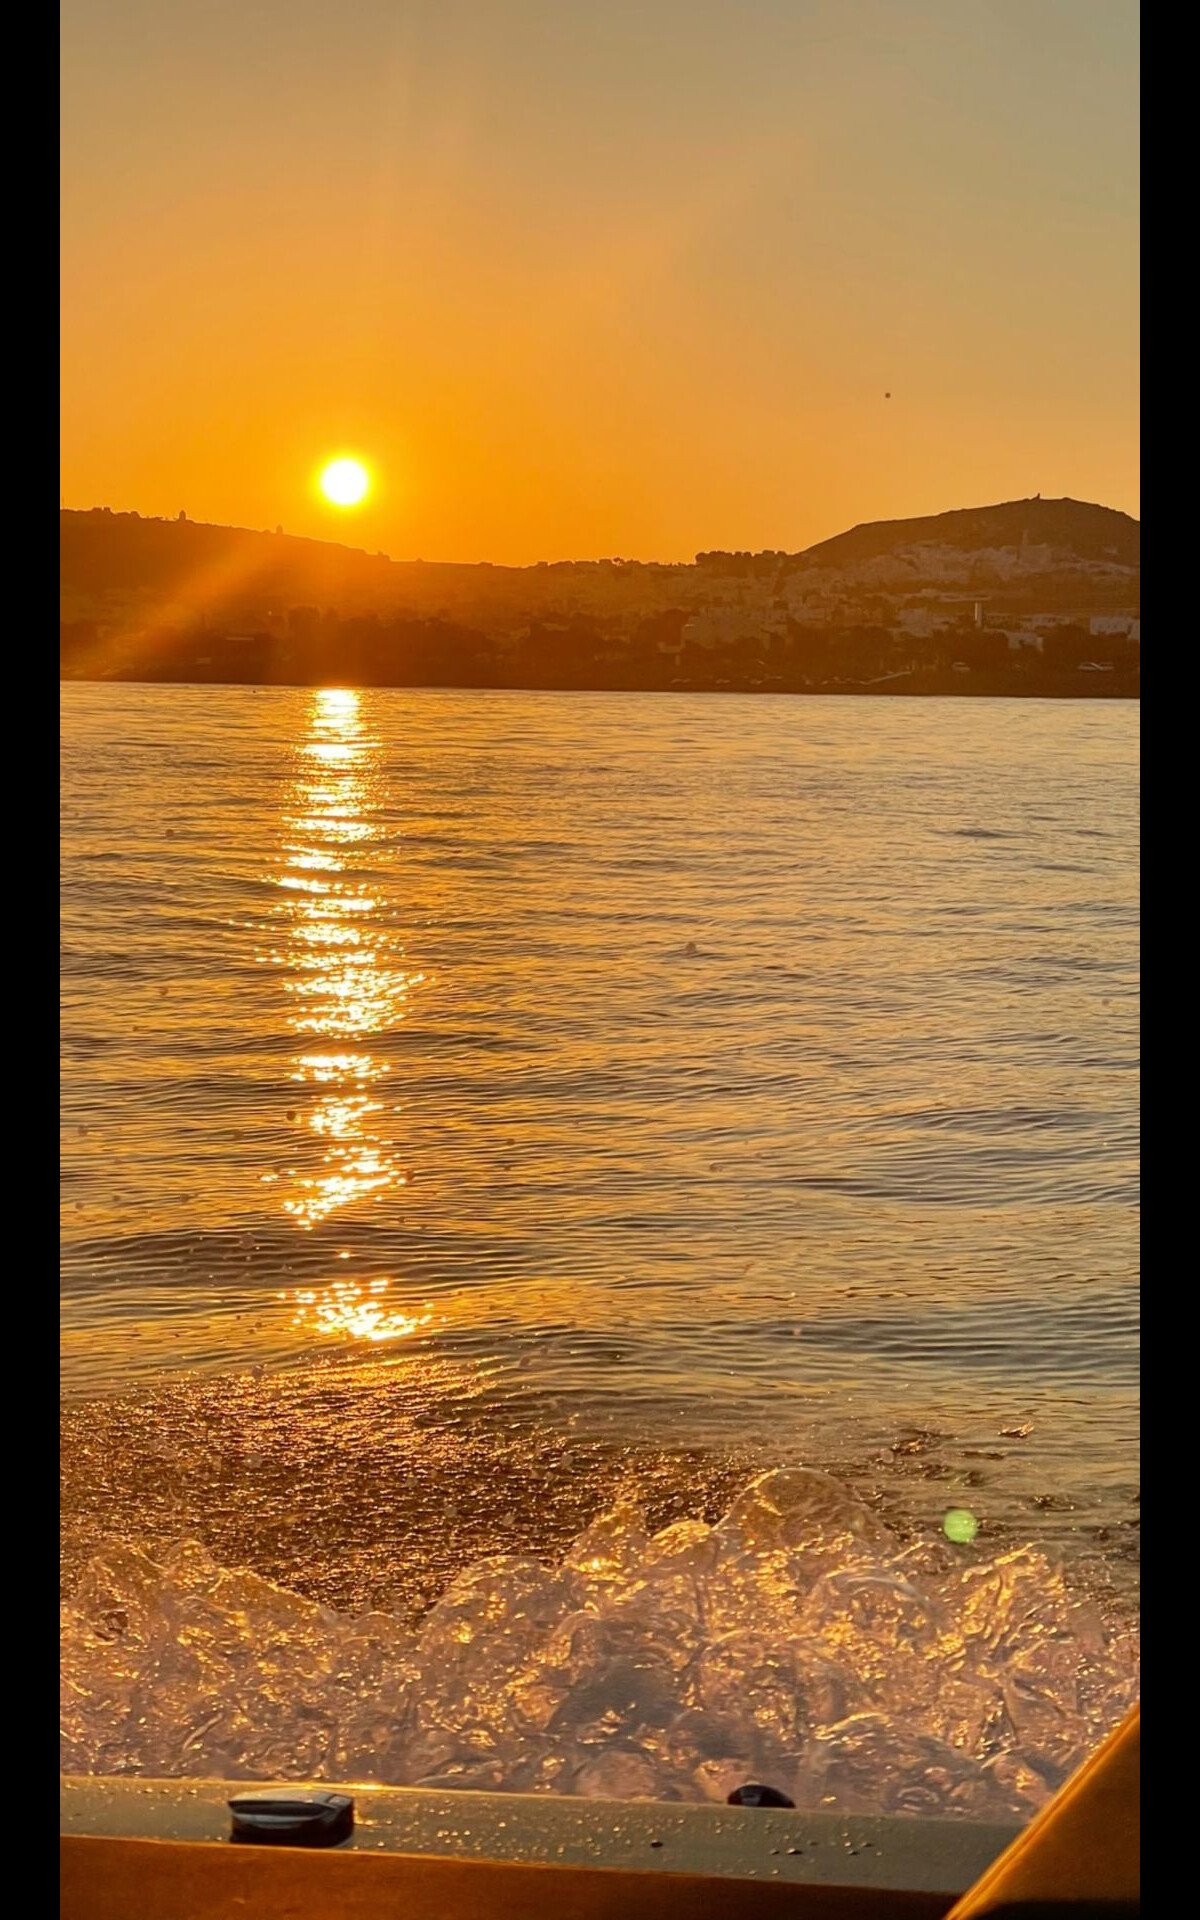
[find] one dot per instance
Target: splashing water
(797, 1641)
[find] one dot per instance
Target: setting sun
(345, 482)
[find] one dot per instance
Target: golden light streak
(342, 966)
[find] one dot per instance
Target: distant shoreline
(1025, 599)
(973, 686)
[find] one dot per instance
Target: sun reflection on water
(352, 1310)
(343, 969)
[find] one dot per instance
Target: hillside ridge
(98, 547)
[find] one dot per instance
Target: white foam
(796, 1642)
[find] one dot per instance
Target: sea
(489, 1117)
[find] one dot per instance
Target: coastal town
(1026, 597)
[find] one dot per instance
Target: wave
(797, 1641)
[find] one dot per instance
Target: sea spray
(798, 1640)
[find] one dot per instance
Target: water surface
(476, 1102)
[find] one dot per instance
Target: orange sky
(578, 280)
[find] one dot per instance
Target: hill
(179, 560)
(1072, 528)
(104, 552)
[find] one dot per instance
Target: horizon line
(590, 560)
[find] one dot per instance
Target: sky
(630, 277)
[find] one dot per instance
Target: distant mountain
(886, 601)
(103, 552)
(183, 560)
(1069, 527)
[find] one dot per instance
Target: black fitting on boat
(755, 1795)
(292, 1819)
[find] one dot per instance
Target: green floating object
(961, 1526)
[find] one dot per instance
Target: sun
(345, 482)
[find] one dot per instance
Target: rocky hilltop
(1074, 531)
